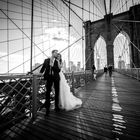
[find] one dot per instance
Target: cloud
(55, 21)
(58, 37)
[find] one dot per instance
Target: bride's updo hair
(59, 57)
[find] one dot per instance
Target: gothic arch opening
(122, 51)
(100, 53)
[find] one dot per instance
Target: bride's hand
(59, 64)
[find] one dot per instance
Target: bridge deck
(110, 110)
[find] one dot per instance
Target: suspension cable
(21, 30)
(97, 7)
(29, 60)
(64, 17)
(82, 8)
(130, 40)
(73, 11)
(105, 7)
(68, 47)
(127, 52)
(121, 7)
(102, 5)
(114, 5)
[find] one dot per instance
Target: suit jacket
(46, 68)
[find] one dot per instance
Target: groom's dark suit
(51, 74)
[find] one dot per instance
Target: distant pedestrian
(110, 70)
(105, 70)
(94, 72)
(93, 67)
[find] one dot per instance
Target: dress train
(67, 100)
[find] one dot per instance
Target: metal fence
(22, 96)
(132, 72)
(15, 99)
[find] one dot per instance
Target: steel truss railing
(132, 72)
(15, 99)
(22, 96)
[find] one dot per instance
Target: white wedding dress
(67, 100)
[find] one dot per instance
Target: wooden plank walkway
(111, 110)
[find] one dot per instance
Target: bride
(67, 100)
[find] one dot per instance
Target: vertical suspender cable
(69, 40)
(42, 33)
(8, 36)
(89, 9)
(110, 6)
(82, 35)
(93, 10)
(32, 14)
(105, 7)
(126, 5)
(132, 2)
(23, 38)
(119, 6)
(122, 6)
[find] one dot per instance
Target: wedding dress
(67, 100)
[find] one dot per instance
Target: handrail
(23, 95)
(132, 72)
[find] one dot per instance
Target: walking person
(93, 68)
(51, 71)
(94, 72)
(105, 70)
(110, 70)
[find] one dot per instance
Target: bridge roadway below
(110, 110)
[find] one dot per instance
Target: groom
(51, 75)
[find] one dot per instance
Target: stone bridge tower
(109, 27)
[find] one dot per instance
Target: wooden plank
(94, 120)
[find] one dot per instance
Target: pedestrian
(110, 70)
(105, 70)
(94, 72)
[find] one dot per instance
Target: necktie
(51, 65)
